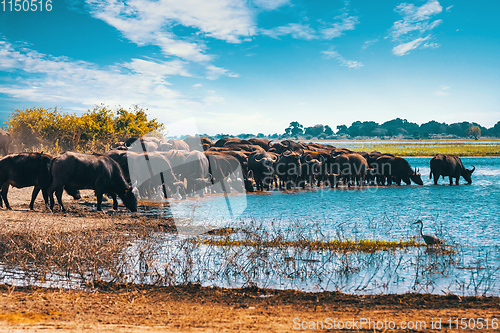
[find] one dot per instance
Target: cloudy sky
(256, 65)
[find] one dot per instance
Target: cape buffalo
(192, 167)
(228, 141)
(451, 166)
(152, 170)
(350, 167)
(260, 165)
(397, 169)
(27, 169)
(5, 141)
(288, 168)
(97, 172)
(227, 172)
(283, 146)
(199, 143)
(172, 144)
(264, 144)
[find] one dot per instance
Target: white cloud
(332, 54)
(148, 22)
(296, 30)
(369, 43)
(442, 91)
(416, 21)
(345, 22)
(41, 78)
(214, 72)
(404, 48)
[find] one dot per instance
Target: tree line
(393, 128)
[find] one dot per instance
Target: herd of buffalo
(150, 167)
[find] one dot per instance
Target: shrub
(94, 131)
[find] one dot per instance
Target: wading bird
(429, 239)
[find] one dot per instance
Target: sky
(253, 66)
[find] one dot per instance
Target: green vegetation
(364, 245)
(424, 148)
(95, 131)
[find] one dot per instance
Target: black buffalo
(97, 172)
(350, 167)
(260, 165)
(451, 166)
(288, 168)
(191, 167)
(227, 173)
(150, 170)
(394, 168)
(28, 169)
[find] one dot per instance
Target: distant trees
(393, 128)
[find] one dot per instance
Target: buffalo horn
(179, 184)
(473, 168)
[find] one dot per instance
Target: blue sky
(254, 66)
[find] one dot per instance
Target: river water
(467, 217)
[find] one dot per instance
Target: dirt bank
(128, 308)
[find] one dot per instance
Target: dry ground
(127, 308)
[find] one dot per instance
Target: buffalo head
(467, 174)
(416, 177)
(129, 200)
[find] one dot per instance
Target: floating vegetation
(364, 245)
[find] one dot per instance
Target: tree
(328, 130)
(474, 131)
(496, 129)
(315, 131)
(342, 129)
(433, 127)
(294, 129)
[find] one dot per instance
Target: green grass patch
(431, 149)
(364, 245)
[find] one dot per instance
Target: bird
(429, 239)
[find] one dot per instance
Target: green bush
(94, 131)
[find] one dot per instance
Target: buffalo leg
(115, 202)
(99, 200)
(457, 180)
(451, 180)
(58, 192)
(5, 190)
(436, 178)
(34, 194)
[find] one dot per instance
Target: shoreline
(193, 308)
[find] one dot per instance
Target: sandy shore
(128, 308)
